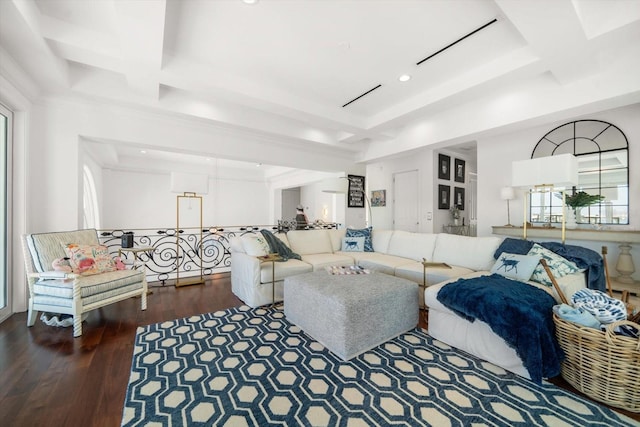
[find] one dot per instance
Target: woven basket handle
(610, 334)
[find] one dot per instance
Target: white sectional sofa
(397, 253)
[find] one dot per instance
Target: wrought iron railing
(211, 251)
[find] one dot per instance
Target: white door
(405, 201)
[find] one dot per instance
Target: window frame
(571, 133)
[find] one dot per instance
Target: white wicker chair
(79, 294)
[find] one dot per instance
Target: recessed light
(258, 165)
(404, 78)
(250, 1)
(143, 151)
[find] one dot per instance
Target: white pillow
(255, 245)
(353, 244)
(558, 265)
(515, 266)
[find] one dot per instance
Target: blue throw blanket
(520, 314)
(277, 246)
(583, 257)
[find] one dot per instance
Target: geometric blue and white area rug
(251, 367)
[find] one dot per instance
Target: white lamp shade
(189, 183)
(507, 193)
(555, 171)
(335, 185)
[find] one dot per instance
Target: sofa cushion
(414, 271)
(305, 242)
(255, 244)
(111, 282)
(366, 233)
(283, 269)
(475, 253)
(283, 238)
(46, 247)
(414, 246)
(336, 236)
(380, 240)
(320, 261)
(383, 263)
(235, 244)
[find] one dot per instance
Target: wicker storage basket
(602, 365)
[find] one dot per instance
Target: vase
(570, 218)
(456, 221)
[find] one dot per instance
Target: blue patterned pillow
(515, 266)
(366, 233)
(558, 265)
(353, 244)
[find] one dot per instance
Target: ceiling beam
(553, 29)
(32, 17)
(141, 33)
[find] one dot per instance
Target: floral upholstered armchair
(93, 282)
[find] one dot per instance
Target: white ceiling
(284, 68)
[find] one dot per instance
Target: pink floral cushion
(89, 259)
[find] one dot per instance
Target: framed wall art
(378, 198)
(444, 195)
(355, 196)
(444, 167)
(459, 166)
(458, 198)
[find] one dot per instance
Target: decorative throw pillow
(353, 244)
(558, 265)
(255, 245)
(364, 232)
(514, 266)
(89, 259)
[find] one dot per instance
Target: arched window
(91, 217)
(602, 150)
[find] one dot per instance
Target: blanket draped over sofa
(519, 313)
(583, 257)
(277, 246)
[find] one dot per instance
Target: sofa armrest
(245, 269)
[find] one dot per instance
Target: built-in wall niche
(602, 152)
(455, 188)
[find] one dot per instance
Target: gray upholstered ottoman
(350, 314)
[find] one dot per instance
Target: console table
(462, 230)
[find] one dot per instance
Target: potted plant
(455, 214)
(577, 200)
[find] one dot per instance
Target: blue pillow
(353, 244)
(366, 233)
(515, 266)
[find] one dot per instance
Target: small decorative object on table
(455, 214)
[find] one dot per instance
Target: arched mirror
(602, 150)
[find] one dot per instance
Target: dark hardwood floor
(48, 378)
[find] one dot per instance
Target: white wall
(144, 200)
(380, 177)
